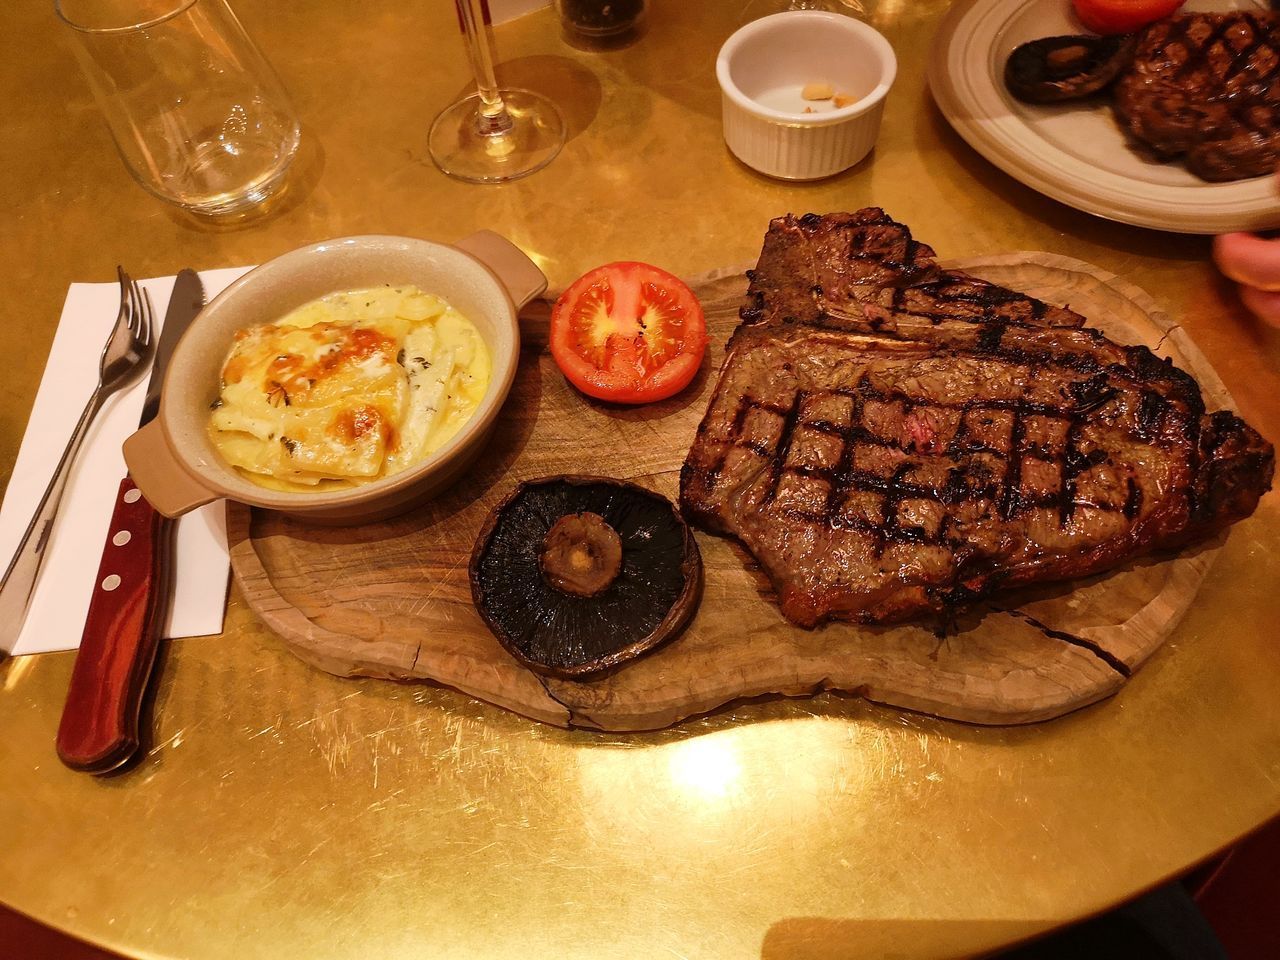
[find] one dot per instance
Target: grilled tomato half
(628, 332)
(1122, 16)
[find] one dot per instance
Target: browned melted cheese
(347, 389)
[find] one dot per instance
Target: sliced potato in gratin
(348, 388)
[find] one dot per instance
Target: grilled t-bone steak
(1203, 86)
(890, 439)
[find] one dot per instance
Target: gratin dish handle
(518, 273)
(166, 484)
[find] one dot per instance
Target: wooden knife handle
(99, 728)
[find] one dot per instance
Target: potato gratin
(347, 389)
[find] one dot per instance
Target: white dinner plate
(1075, 152)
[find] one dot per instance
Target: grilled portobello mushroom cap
(577, 576)
(1053, 69)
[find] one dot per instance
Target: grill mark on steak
(784, 444)
(1011, 500)
(1133, 502)
(895, 488)
(879, 477)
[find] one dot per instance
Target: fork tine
(124, 293)
(123, 316)
(126, 298)
(133, 306)
(137, 318)
(148, 318)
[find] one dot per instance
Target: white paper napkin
(500, 11)
(61, 599)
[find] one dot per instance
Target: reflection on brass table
(284, 813)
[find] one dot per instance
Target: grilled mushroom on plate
(1066, 68)
(576, 576)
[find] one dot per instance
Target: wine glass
(835, 6)
(493, 135)
(755, 9)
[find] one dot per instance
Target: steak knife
(99, 728)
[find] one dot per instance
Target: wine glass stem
(493, 119)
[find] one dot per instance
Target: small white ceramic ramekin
(761, 70)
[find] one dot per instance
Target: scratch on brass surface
(175, 741)
(315, 849)
(392, 749)
(335, 748)
(378, 806)
(481, 849)
(377, 739)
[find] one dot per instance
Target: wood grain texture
(392, 599)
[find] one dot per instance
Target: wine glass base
(463, 148)
(755, 9)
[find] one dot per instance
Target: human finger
(1248, 259)
(1263, 304)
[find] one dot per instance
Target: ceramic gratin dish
(487, 278)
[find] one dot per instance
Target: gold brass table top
(281, 812)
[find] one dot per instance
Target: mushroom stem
(581, 554)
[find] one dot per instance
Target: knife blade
(99, 727)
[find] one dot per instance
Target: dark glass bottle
(602, 18)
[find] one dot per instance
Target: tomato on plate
(1122, 16)
(628, 332)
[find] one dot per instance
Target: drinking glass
(494, 134)
(755, 9)
(196, 112)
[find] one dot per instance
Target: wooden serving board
(393, 600)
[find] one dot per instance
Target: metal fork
(125, 355)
